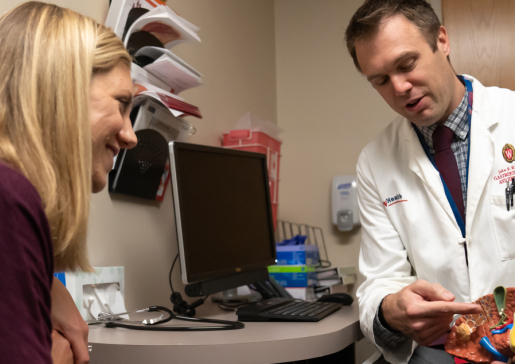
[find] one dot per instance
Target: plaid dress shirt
(458, 123)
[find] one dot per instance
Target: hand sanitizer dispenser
(345, 202)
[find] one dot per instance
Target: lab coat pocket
(504, 226)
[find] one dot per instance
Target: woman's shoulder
(15, 188)
(27, 261)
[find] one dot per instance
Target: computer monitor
(223, 217)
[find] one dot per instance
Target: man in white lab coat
(436, 230)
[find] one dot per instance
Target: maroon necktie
(446, 163)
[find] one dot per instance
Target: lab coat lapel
(420, 164)
(481, 149)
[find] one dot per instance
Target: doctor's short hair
(48, 57)
(367, 19)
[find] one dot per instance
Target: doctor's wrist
(381, 315)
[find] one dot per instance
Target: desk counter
(258, 342)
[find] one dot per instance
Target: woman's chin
(98, 184)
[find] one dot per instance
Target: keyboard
(286, 309)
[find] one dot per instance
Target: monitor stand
(240, 294)
(209, 287)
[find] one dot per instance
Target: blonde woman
(65, 96)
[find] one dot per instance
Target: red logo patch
(508, 153)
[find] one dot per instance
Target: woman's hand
(66, 319)
(61, 349)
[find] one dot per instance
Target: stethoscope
(113, 321)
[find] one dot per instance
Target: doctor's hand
(423, 311)
(67, 320)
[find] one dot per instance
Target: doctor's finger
(432, 291)
(438, 308)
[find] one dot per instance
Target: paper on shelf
(165, 25)
(140, 75)
(119, 11)
(162, 120)
(176, 106)
(140, 99)
(176, 77)
(156, 52)
(145, 87)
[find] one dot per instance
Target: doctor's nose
(400, 85)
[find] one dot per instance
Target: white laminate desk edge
(258, 342)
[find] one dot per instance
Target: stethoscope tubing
(228, 325)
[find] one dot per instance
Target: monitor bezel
(187, 278)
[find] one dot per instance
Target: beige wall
(237, 58)
(96, 9)
(329, 113)
(286, 61)
(328, 110)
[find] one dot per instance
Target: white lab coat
(418, 237)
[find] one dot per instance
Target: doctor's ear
(442, 42)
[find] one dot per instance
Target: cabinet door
(482, 34)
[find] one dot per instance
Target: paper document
(141, 76)
(156, 52)
(176, 77)
(165, 25)
(143, 87)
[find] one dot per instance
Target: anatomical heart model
(485, 337)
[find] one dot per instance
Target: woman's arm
(66, 319)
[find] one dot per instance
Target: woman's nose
(126, 137)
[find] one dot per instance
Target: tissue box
(101, 277)
(294, 275)
(297, 254)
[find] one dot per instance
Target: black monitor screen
(223, 211)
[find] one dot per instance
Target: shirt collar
(457, 122)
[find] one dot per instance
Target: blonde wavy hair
(48, 56)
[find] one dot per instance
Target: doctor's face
(110, 99)
(416, 82)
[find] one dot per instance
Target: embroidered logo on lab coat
(508, 152)
(393, 200)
